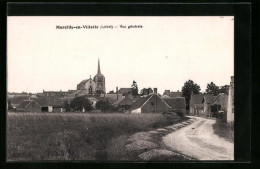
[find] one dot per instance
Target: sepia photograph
(120, 88)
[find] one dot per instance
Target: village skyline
(165, 53)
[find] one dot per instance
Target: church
(95, 85)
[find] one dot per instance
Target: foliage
(224, 89)
(111, 92)
(103, 105)
(79, 103)
(188, 88)
(66, 106)
(146, 91)
(74, 136)
(212, 89)
(134, 88)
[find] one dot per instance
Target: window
(99, 79)
(152, 103)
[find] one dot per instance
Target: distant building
(207, 103)
(50, 104)
(112, 98)
(196, 105)
(125, 91)
(177, 104)
(28, 106)
(92, 86)
(150, 104)
(172, 94)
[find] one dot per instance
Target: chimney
(155, 90)
(117, 93)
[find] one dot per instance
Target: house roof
(176, 103)
(142, 100)
(128, 101)
(25, 103)
(49, 101)
(165, 97)
(196, 99)
(209, 99)
(112, 97)
(175, 94)
(218, 97)
(19, 99)
(124, 90)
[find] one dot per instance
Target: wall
(158, 105)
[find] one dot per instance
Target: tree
(146, 91)
(224, 89)
(212, 89)
(103, 105)
(79, 103)
(111, 92)
(134, 88)
(66, 106)
(188, 88)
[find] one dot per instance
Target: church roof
(85, 81)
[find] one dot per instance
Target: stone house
(196, 105)
(150, 104)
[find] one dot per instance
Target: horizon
(164, 54)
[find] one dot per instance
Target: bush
(104, 106)
(79, 103)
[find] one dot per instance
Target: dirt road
(199, 141)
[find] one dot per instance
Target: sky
(164, 53)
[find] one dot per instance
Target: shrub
(79, 103)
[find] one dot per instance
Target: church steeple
(99, 71)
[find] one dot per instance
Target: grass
(76, 136)
(224, 130)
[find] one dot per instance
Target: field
(76, 136)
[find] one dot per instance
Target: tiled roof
(19, 99)
(49, 101)
(124, 90)
(127, 101)
(176, 103)
(24, 104)
(139, 103)
(112, 97)
(196, 99)
(209, 99)
(218, 97)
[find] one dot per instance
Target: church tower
(100, 81)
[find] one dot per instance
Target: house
(196, 105)
(112, 97)
(50, 104)
(126, 102)
(28, 106)
(177, 104)
(17, 100)
(150, 104)
(173, 94)
(207, 101)
(125, 91)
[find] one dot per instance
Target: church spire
(98, 72)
